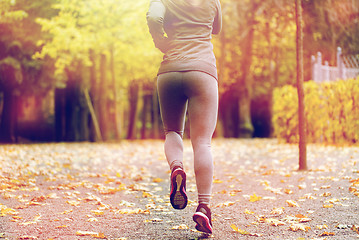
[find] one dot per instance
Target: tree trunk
(7, 127)
(93, 115)
(156, 122)
(93, 97)
(133, 99)
(104, 120)
(59, 114)
(244, 84)
(300, 89)
(116, 119)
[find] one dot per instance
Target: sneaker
(203, 220)
(178, 194)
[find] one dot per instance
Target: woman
(187, 78)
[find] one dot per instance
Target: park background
(76, 70)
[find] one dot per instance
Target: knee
(175, 134)
(199, 143)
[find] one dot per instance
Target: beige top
(182, 30)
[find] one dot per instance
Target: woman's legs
(201, 91)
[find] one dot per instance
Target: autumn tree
(256, 52)
(19, 73)
(111, 40)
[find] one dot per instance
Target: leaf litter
(256, 189)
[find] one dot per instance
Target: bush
(332, 112)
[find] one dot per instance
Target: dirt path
(120, 191)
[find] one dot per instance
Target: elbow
(154, 20)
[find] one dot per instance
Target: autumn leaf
(132, 211)
(86, 233)
(243, 232)
(73, 203)
(27, 237)
(217, 181)
(321, 227)
(63, 226)
(180, 227)
(92, 220)
(246, 211)
(355, 228)
(225, 204)
(157, 180)
(325, 234)
(154, 220)
(254, 198)
(298, 226)
(36, 219)
(277, 211)
(274, 222)
(292, 203)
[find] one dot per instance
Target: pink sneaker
(178, 194)
(203, 220)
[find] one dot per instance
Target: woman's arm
(217, 23)
(155, 17)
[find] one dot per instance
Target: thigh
(202, 92)
(173, 101)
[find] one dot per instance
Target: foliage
(8, 14)
(81, 26)
(332, 112)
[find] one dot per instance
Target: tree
(256, 48)
(300, 89)
(107, 38)
(19, 73)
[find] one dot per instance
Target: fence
(347, 67)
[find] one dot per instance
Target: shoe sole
(178, 194)
(202, 221)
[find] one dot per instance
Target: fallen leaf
(248, 211)
(85, 233)
(27, 237)
(292, 203)
(328, 205)
(288, 191)
(98, 212)
(254, 198)
(92, 220)
(274, 222)
(180, 227)
(157, 180)
(297, 226)
(325, 234)
(243, 232)
(355, 228)
(277, 211)
(63, 226)
(73, 203)
(133, 211)
(321, 227)
(154, 220)
(225, 204)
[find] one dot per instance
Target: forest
(85, 70)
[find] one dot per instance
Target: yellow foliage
(332, 112)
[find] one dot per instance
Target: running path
(120, 191)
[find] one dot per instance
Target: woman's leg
(173, 106)
(202, 90)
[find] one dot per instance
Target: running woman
(187, 79)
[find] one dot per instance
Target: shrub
(332, 112)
